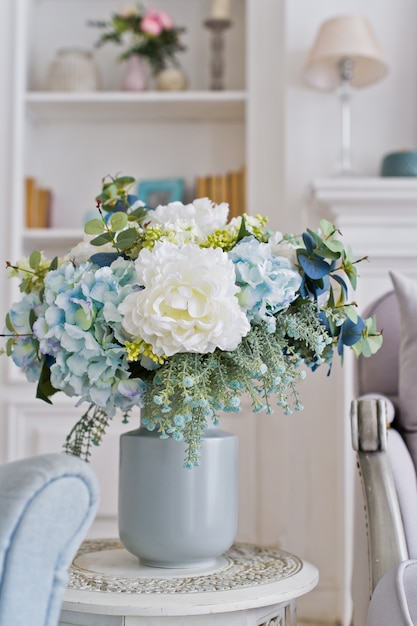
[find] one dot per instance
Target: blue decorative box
(402, 163)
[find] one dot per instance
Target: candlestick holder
(217, 28)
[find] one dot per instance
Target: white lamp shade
(344, 37)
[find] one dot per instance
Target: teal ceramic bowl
(400, 164)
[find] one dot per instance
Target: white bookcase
(69, 141)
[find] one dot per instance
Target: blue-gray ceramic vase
(170, 516)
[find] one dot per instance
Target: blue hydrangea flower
(81, 328)
(268, 283)
(25, 350)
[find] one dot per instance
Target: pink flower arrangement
(154, 22)
(150, 33)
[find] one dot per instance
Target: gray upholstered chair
(47, 504)
(383, 434)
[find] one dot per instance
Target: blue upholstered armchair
(384, 434)
(47, 504)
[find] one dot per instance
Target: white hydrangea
(188, 303)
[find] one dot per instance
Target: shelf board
(117, 107)
(47, 238)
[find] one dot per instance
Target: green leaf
(9, 346)
(118, 221)
(351, 273)
(243, 231)
(94, 227)
(335, 245)
(318, 240)
(325, 253)
(326, 227)
(32, 317)
(35, 259)
(45, 388)
(371, 326)
(374, 343)
(111, 189)
(125, 181)
(9, 324)
(138, 214)
(101, 239)
(357, 348)
(351, 313)
(54, 264)
(126, 238)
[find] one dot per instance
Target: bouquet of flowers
(180, 312)
(148, 33)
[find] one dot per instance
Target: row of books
(38, 204)
(230, 187)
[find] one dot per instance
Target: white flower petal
(188, 303)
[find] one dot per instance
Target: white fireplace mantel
(378, 216)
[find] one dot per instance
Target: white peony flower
(203, 216)
(188, 303)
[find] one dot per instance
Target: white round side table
(249, 585)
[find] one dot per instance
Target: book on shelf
(230, 188)
(38, 204)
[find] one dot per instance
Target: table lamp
(345, 54)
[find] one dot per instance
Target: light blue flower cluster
(81, 329)
(25, 349)
(268, 283)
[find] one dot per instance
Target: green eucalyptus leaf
(374, 343)
(112, 190)
(94, 227)
(326, 227)
(35, 259)
(101, 239)
(351, 313)
(330, 302)
(125, 181)
(318, 240)
(118, 221)
(357, 348)
(335, 245)
(348, 255)
(138, 214)
(351, 273)
(325, 252)
(371, 326)
(126, 238)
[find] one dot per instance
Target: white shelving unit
(150, 106)
(69, 141)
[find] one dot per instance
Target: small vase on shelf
(136, 75)
(171, 79)
(72, 69)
